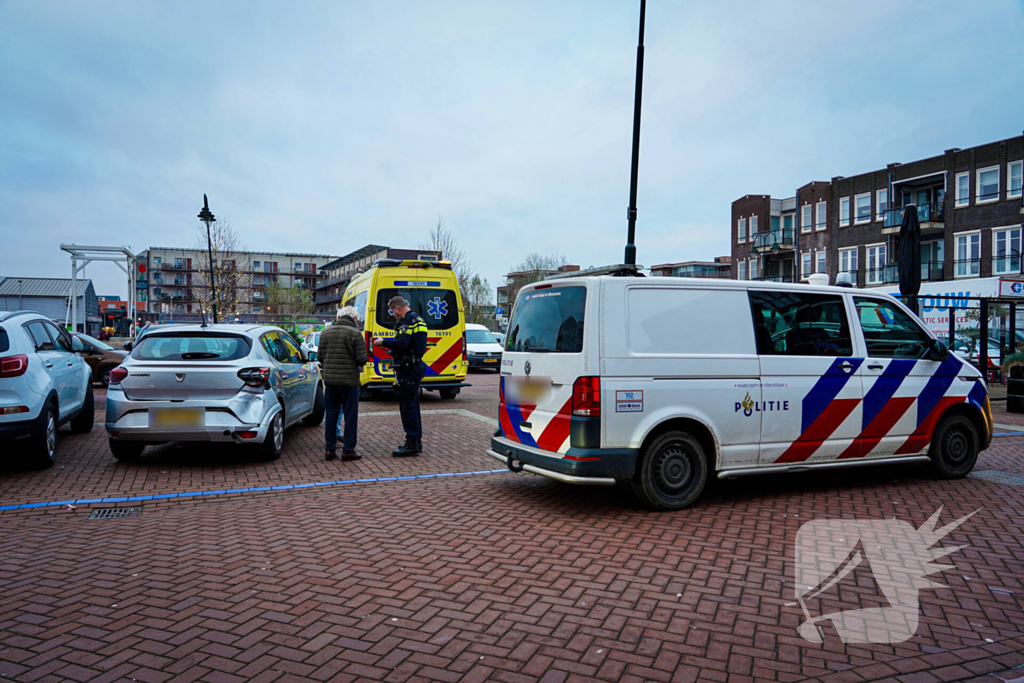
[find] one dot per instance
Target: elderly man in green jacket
(342, 354)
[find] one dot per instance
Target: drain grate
(114, 513)
(999, 477)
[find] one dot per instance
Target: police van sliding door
(810, 389)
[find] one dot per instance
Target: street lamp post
(206, 216)
(630, 257)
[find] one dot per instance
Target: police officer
(407, 348)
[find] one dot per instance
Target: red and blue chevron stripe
(821, 412)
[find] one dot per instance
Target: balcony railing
(333, 281)
(886, 275)
(774, 240)
(1010, 264)
(926, 213)
(967, 267)
(931, 271)
(328, 298)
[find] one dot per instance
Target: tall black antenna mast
(631, 212)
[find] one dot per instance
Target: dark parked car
(100, 356)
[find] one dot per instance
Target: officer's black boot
(409, 448)
(419, 445)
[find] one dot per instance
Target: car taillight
(254, 377)
(586, 397)
(464, 356)
(369, 344)
(117, 374)
(13, 366)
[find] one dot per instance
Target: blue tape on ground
(221, 492)
(1008, 434)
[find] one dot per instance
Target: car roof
(475, 326)
(7, 315)
(707, 283)
(219, 327)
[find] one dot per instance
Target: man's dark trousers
(408, 394)
(344, 400)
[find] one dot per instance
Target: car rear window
(192, 346)
(5, 341)
(548, 321)
(438, 307)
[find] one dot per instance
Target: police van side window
(797, 324)
(889, 332)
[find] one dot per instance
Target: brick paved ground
(484, 577)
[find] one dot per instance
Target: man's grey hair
(348, 312)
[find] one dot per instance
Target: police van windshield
(548, 321)
(438, 307)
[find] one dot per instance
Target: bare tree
(285, 302)
(232, 271)
(480, 302)
(441, 239)
(540, 262)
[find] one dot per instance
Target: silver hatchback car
(229, 383)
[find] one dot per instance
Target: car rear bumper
(601, 466)
(223, 421)
(16, 430)
(493, 363)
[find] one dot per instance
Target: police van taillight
(586, 397)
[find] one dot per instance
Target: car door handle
(70, 364)
(48, 364)
(846, 366)
(875, 366)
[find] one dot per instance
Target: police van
(433, 293)
(608, 376)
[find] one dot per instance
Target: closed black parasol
(908, 260)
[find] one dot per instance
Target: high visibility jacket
(410, 340)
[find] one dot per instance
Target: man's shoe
(348, 457)
(329, 455)
(405, 450)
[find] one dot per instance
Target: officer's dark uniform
(407, 348)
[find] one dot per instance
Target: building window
(255, 309)
(1014, 184)
(848, 262)
(753, 226)
(1006, 251)
(821, 220)
(931, 260)
(881, 204)
(844, 211)
(255, 264)
(741, 230)
(968, 255)
(988, 184)
(805, 264)
(753, 269)
(805, 218)
(741, 270)
(822, 266)
(157, 260)
(963, 189)
(862, 206)
(876, 264)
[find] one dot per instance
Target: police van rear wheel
(954, 447)
(672, 472)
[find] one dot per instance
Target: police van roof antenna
(630, 259)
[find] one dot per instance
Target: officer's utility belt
(408, 363)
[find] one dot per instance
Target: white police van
(609, 376)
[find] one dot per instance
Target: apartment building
(172, 276)
(720, 267)
(968, 201)
(337, 273)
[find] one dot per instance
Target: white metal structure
(88, 254)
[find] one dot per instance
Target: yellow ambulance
(432, 291)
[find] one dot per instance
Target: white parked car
(483, 350)
(311, 345)
(664, 382)
(240, 384)
(43, 385)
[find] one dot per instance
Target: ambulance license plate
(177, 418)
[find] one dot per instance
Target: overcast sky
(320, 127)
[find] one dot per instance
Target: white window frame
(741, 270)
(844, 213)
(871, 276)
(977, 185)
(741, 230)
(956, 254)
(995, 239)
(752, 269)
(753, 226)
(806, 212)
(856, 218)
(879, 211)
(820, 216)
(821, 264)
(1010, 194)
(966, 201)
(851, 255)
(806, 264)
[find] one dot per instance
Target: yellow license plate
(177, 418)
(490, 360)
